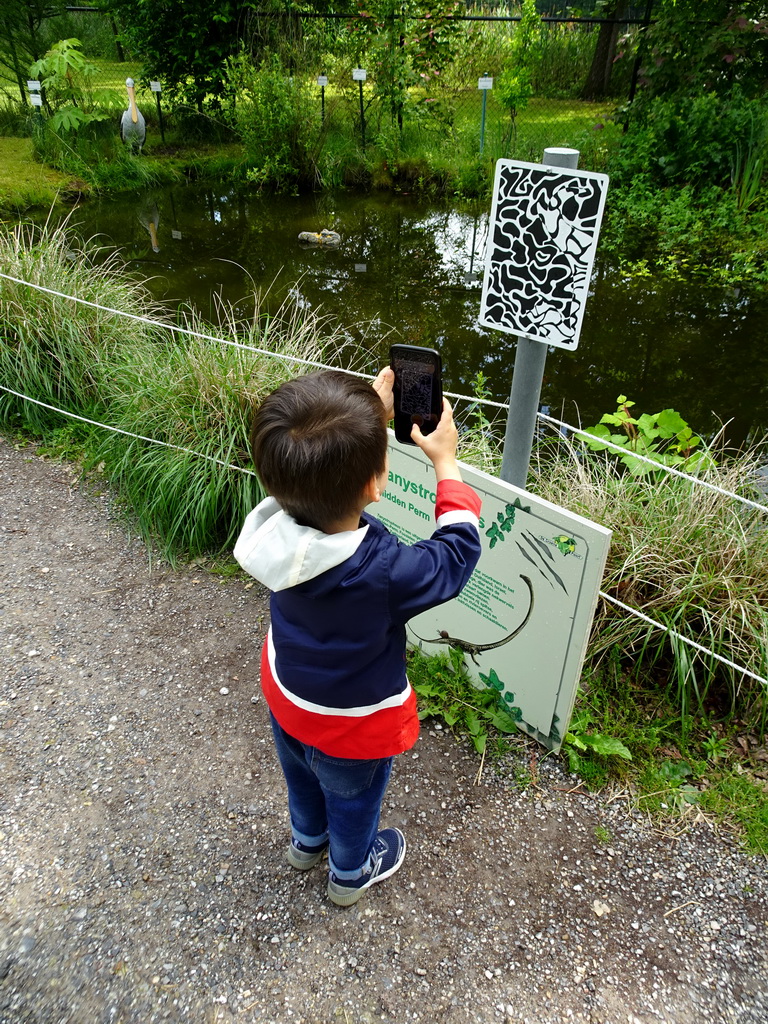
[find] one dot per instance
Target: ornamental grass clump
(51, 349)
(168, 387)
(196, 392)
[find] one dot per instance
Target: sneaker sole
(344, 897)
(304, 864)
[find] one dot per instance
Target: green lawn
(24, 183)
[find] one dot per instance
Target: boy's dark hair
(316, 442)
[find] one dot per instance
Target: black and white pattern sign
(545, 223)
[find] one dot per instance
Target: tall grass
(146, 380)
(689, 557)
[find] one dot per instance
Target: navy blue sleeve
(432, 571)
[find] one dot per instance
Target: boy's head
(317, 441)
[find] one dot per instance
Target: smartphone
(418, 389)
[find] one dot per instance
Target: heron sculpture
(133, 129)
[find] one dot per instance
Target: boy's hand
(384, 384)
(440, 445)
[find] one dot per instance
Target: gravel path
(143, 826)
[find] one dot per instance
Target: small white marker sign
(359, 74)
(33, 85)
(322, 80)
(36, 99)
(486, 82)
(155, 87)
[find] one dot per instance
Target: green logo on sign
(565, 544)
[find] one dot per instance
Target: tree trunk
(15, 61)
(599, 77)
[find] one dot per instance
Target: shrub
(276, 121)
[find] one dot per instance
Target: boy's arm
(440, 446)
(431, 572)
(436, 570)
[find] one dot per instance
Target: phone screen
(418, 390)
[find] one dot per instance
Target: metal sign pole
(528, 376)
(359, 76)
(322, 81)
(484, 84)
(156, 88)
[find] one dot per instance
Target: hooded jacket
(333, 663)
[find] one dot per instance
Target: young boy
(343, 587)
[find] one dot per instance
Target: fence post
(527, 376)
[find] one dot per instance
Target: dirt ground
(143, 829)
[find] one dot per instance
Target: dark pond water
(401, 274)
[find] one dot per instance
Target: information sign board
(155, 86)
(545, 223)
(359, 74)
(486, 82)
(322, 80)
(523, 620)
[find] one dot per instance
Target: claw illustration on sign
(473, 649)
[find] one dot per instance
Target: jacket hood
(278, 552)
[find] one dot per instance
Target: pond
(411, 270)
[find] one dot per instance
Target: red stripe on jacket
(383, 733)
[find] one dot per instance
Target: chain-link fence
(473, 76)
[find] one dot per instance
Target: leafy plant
(664, 437)
(523, 50)
(446, 691)
(715, 747)
(581, 742)
(274, 119)
(66, 78)
(748, 168)
(667, 786)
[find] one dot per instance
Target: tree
(713, 47)
(20, 43)
(521, 59)
(599, 77)
(184, 42)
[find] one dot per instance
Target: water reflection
(409, 270)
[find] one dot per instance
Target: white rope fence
(316, 365)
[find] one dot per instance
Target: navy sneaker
(304, 857)
(387, 855)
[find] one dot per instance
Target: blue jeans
(333, 799)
